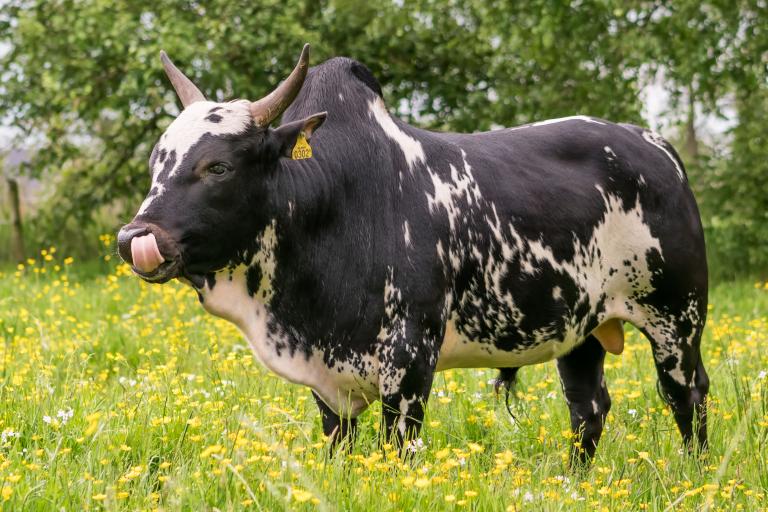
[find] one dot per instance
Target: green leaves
(83, 77)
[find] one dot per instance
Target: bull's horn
(187, 91)
(270, 107)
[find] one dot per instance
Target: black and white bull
(394, 252)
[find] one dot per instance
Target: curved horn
(187, 91)
(270, 107)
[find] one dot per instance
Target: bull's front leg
(336, 429)
(406, 368)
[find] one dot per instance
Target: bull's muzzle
(150, 251)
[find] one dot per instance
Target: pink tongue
(145, 254)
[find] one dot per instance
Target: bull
(362, 258)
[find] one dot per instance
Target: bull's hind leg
(581, 373)
(676, 344)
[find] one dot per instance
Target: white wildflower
(416, 445)
(65, 416)
(9, 434)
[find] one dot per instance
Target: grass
(120, 395)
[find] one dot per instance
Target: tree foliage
(82, 78)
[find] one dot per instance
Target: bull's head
(212, 172)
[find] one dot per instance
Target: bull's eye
(219, 168)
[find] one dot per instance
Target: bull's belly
(457, 351)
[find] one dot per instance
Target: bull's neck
(298, 199)
(303, 195)
(244, 287)
(241, 293)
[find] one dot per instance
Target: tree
(83, 77)
(11, 165)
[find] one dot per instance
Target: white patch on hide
(613, 262)
(407, 234)
(405, 405)
(265, 259)
(586, 119)
(460, 186)
(389, 384)
(392, 334)
(458, 351)
(663, 331)
(619, 237)
(412, 148)
(658, 141)
(347, 386)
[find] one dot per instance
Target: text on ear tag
(302, 149)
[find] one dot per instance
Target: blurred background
(83, 96)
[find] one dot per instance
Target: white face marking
(412, 148)
(187, 129)
(609, 152)
(658, 141)
(156, 190)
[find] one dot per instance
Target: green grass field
(120, 395)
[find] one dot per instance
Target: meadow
(119, 395)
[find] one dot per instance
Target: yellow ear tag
(302, 149)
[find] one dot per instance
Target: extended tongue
(145, 253)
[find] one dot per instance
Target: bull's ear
(293, 139)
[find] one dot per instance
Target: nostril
(124, 237)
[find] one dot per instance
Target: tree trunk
(691, 142)
(17, 234)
